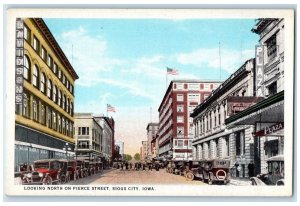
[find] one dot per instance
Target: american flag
(110, 108)
(172, 71)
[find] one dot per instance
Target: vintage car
(98, 167)
(193, 170)
(47, 172)
(215, 170)
(75, 169)
(86, 168)
(275, 175)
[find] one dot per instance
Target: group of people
(138, 166)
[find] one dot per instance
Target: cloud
(205, 58)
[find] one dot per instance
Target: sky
(122, 62)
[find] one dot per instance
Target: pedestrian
(251, 169)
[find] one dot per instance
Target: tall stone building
(152, 129)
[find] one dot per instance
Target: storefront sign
(270, 129)
(237, 104)
(259, 76)
(19, 60)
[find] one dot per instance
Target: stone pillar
(205, 150)
(213, 149)
(232, 149)
(263, 157)
(199, 150)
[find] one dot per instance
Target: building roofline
(39, 22)
(185, 81)
(152, 124)
(261, 24)
(217, 92)
(260, 105)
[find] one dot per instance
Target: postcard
(149, 102)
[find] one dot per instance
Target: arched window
(54, 93)
(59, 98)
(35, 76)
(49, 88)
(43, 83)
(26, 72)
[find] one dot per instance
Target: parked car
(215, 170)
(47, 172)
(275, 175)
(74, 168)
(85, 168)
(193, 170)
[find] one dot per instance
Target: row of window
(46, 57)
(46, 86)
(45, 115)
(194, 86)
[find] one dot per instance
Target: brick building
(175, 124)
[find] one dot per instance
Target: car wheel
(190, 176)
(62, 179)
(210, 181)
(47, 181)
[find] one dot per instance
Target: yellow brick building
(45, 119)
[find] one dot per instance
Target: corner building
(176, 130)
(212, 139)
(45, 118)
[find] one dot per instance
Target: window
(59, 98)
(54, 97)
(63, 126)
(27, 33)
(180, 130)
(67, 127)
(205, 96)
(43, 82)
(180, 97)
(49, 89)
(54, 120)
(68, 106)
(271, 46)
(26, 71)
(44, 53)
(35, 110)
(63, 79)
(180, 143)
(25, 110)
(194, 97)
(43, 114)
(71, 88)
(179, 108)
(71, 108)
(83, 130)
(59, 73)
(35, 78)
(179, 119)
(179, 86)
(50, 61)
(54, 68)
(64, 101)
(49, 118)
(272, 89)
(68, 84)
(36, 44)
(58, 123)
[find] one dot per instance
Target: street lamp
(66, 148)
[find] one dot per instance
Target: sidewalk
(239, 182)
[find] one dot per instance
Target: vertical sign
(19, 60)
(259, 60)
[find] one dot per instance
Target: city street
(115, 176)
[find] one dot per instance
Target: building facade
(45, 116)
(152, 129)
(120, 144)
(212, 139)
(107, 138)
(88, 137)
(267, 116)
(176, 130)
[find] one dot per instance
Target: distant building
(120, 144)
(107, 139)
(176, 130)
(88, 136)
(45, 82)
(152, 129)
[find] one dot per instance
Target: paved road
(115, 176)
